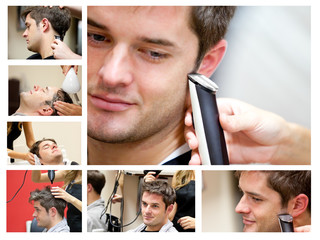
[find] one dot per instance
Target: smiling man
(39, 101)
(269, 193)
(49, 211)
(138, 61)
(49, 153)
(157, 202)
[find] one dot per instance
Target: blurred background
(268, 61)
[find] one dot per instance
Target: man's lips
(109, 104)
(247, 221)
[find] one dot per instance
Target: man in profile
(266, 194)
(39, 101)
(157, 202)
(48, 153)
(49, 211)
(96, 205)
(45, 29)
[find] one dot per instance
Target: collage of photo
(158, 119)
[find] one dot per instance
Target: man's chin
(250, 228)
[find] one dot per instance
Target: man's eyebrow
(96, 24)
(157, 41)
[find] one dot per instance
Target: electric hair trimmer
(286, 222)
(212, 145)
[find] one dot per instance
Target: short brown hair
(47, 200)
(96, 179)
(210, 24)
(161, 188)
(59, 96)
(35, 147)
(288, 184)
(60, 18)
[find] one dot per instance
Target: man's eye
(256, 199)
(153, 56)
(97, 39)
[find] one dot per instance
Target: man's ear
(169, 209)
(298, 205)
(45, 24)
(212, 58)
(53, 212)
(89, 187)
(45, 111)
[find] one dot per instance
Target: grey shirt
(168, 227)
(94, 219)
(61, 226)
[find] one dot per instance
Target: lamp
(71, 84)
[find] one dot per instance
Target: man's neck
(149, 151)
(45, 48)
(92, 197)
(54, 222)
(302, 220)
(21, 110)
(156, 228)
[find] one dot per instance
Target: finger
(195, 158)
(188, 118)
(191, 138)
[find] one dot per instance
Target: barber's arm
(62, 51)
(67, 109)
(256, 136)
(58, 192)
(24, 156)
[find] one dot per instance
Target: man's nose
(36, 87)
(242, 207)
(117, 68)
(34, 214)
(25, 33)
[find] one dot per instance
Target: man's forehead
(46, 142)
(149, 15)
(152, 197)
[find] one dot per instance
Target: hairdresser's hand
(58, 192)
(187, 222)
(62, 51)
(29, 157)
(116, 198)
(306, 228)
(66, 68)
(255, 136)
(149, 177)
(67, 109)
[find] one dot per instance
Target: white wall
(268, 61)
(219, 200)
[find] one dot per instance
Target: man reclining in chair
(47, 152)
(39, 101)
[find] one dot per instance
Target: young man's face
(50, 153)
(32, 34)
(154, 212)
(35, 98)
(42, 216)
(259, 204)
(138, 61)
